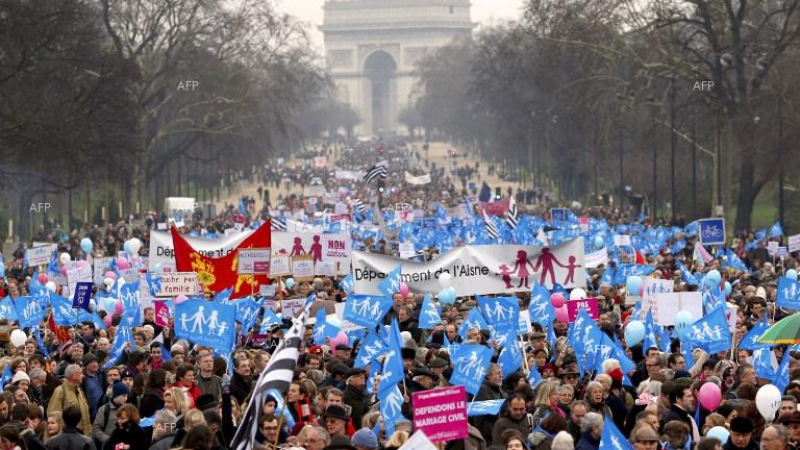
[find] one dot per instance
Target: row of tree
(691, 102)
(122, 98)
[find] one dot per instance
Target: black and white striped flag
(278, 223)
(277, 375)
(359, 206)
(378, 170)
(491, 228)
(511, 214)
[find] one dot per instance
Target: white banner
(669, 305)
(488, 269)
(38, 256)
(794, 243)
(349, 175)
(596, 259)
(422, 179)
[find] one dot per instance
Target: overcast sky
(483, 12)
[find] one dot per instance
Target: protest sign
(291, 306)
(417, 181)
(670, 304)
(38, 256)
(772, 248)
(77, 274)
(441, 413)
(280, 265)
(497, 208)
(325, 268)
(588, 304)
(622, 240)
(418, 441)
(303, 268)
(652, 288)
(558, 215)
(487, 269)
(253, 260)
(794, 243)
(407, 250)
(320, 161)
(82, 294)
(178, 283)
(334, 247)
(161, 313)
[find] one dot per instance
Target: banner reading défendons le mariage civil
(486, 269)
(333, 247)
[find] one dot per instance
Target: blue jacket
(588, 442)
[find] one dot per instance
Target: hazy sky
(483, 12)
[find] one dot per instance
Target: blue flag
(347, 283)
(391, 283)
(37, 333)
(608, 277)
(776, 230)
(368, 350)
(687, 276)
(7, 375)
(392, 371)
(246, 312)
(541, 310)
(612, 438)
(788, 293)
(429, 316)
(123, 336)
(153, 283)
(649, 331)
(500, 311)
(391, 406)
(281, 409)
(131, 298)
(485, 408)
(268, 319)
(510, 358)
(781, 379)
(711, 332)
(324, 329)
(205, 323)
(223, 295)
(762, 363)
(8, 310)
(629, 270)
(474, 320)
(731, 260)
(534, 377)
(63, 313)
(470, 363)
(366, 310)
(750, 340)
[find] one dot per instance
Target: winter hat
(761, 293)
(20, 376)
(119, 389)
(365, 438)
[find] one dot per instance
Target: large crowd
(66, 391)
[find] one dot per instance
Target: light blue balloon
(447, 296)
(289, 283)
(598, 242)
(157, 268)
(634, 285)
(683, 320)
(720, 433)
(634, 332)
(728, 289)
(713, 278)
(87, 245)
(127, 247)
(791, 274)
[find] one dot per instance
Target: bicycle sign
(712, 231)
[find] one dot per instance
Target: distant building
(371, 47)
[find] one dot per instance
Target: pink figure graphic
(571, 267)
(316, 250)
(521, 267)
(506, 275)
(298, 249)
(545, 261)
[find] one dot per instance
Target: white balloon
(768, 399)
(18, 338)
(92, 305)
(135, 245)
(577, 294)
(51, 285)
(108, 281)
(445, 280)
(65, 258)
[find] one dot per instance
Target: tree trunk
(747, 190)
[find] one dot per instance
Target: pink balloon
(403, 289)
(180, 299)
(43, 278)
(709, 396)
(82, 263)
(64, 270)
(340, 339)
(107, 320)
(557, 299)
(110, 274)
(562, 315)
(123, 263)
(641, 290)
(118, 307)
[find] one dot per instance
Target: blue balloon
(447, 296)
(87, 245)
(634, 332)
(157, 268)
(791, 274)
(127, 247)
(713, 278)
(598, 242)
(720, 433)
(728, 289)
(634, 285)
(289, 283)
(683, 320)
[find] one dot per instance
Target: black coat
(240, 387)
(132, 434)
(152, 401)
(70, 439)
(359, 404)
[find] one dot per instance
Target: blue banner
(368, 350)
(8, 310)
(630, 270)
(366, 310)
(485, 408)
(500, 311)
(470, 363)
(391, 283)
(206, 323)
(540, 308)
(788, 293)
(711, 332)
(429, 316)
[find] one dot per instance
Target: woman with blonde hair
(176, 401)
(546, 401)
(54, 425)
(396, 440)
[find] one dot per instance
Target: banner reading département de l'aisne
(485, 269)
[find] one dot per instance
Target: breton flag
(491, 228)
(278, 223)
(277, 375)
(359, 206)
(378, 170)
(511, 213)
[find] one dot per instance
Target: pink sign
(261, 267)
(441, 413)
(589, 304)
(162, 313)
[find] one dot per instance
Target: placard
(161, 313)
(280, 265)
(441, 413)
(772, 248)
(622, 240)
(303, 268)
(82, 294)
(253, 261)
(78, 274)
(589, 304)
(652, 288)
(407, 250)
(669, 305)
(325, 268)
(101, 266)
(39, 256)
(290, 307)
(267, 290)
(178, 283)
(794, 243)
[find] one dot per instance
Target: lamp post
(672, 144)
(780, 160)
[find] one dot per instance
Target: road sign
(712, 231)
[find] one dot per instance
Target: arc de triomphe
(372, 46)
